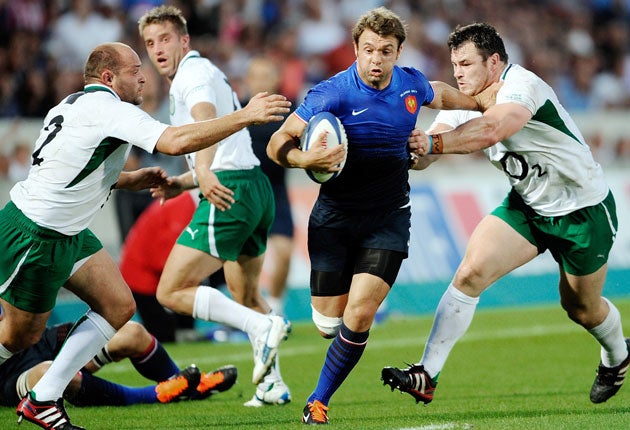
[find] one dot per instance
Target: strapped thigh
(379, 262)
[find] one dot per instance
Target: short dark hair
(162, 14)
(484, 36)
(381, 21)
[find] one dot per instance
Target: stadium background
(556, 39)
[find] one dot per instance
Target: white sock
(609, 334)
(5, 354)
(452, 318)
(212, 305)
(276, 304)
(85, 340)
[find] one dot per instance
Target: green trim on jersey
(92, 88)
(548, 114)
(103, 150)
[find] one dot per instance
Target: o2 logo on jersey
(411, 104)
(515, 166)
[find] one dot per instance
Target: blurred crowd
(581, 47)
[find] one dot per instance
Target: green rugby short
(36, 262)
(240, 230)
(579, 241)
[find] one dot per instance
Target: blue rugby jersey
(378, 124)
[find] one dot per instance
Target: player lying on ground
(22, 371)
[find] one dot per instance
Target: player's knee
(166, 298)
(469, 276)
(360, 315)
(117, 309)
(578, 314)
(328, 326)
(122, 315)
(135, 332)
(28, 379)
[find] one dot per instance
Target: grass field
(523, 368)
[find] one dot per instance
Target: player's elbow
(173, 142)
(272, 153)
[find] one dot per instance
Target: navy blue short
(44, 350)
(283, 222)
(335, 236)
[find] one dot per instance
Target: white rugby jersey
(80, 152)
(548, 161)
(198, 80)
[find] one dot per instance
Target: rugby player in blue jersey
(358, 232)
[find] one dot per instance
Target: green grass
(523, 368)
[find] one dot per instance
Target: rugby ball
(324, 121)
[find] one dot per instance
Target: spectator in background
(77, 31)
(293, 67)
(263, 75)
(20, 162)
(321, 18)
(34, 95)
(533, 32)
(5, 162)
(575, 88)
(21, 63)
(25, 15)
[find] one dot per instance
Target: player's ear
(185, 40)
(107, 77)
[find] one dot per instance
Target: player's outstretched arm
(497, 123)
(173, 186)
(184, 139)
(449, 98)
(141, 179)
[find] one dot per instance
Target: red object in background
(150, 240)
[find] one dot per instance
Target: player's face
(471, 72)
(129, 81)
(165, 46)
(376, 57)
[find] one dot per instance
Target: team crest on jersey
(411, 104)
